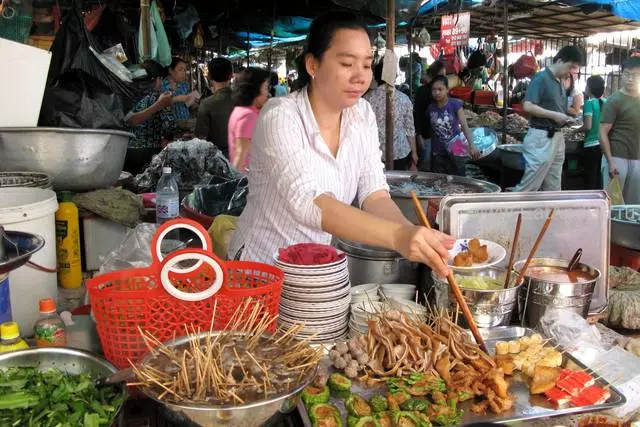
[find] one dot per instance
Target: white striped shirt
(291, 165)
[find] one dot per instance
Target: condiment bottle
(49, 330)
(68, 243)
(10, 338)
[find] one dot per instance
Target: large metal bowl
(489, 308)
(443, 185)
(75, 159)
(69, 360)
(625, 226)
(248, 415)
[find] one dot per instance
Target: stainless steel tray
(526, 407)
(581, 220)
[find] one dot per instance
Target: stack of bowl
(398, 292)
(410, 308)
(318, 296)
(361, 313)
(365, 293)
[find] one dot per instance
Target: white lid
(166, 169)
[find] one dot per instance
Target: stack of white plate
(399, 292)
(410, 308)
(361, 313)
(318, 296)
(362, 293)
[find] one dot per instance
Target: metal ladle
(575, 260)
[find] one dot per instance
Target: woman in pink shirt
(250, 94)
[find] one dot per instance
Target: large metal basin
(442, 185)
(75, 159)
(625, 226)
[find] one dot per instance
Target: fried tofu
(505, 362)
(463, 259)
(544, 378)
(494, 379)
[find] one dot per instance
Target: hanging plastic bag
(185, 21)
(153, 41)
(163, 51)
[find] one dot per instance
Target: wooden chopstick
(452, 281)
(514, 246)
(534, 249)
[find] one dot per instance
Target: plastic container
(484, 97)
(31, 210)
(68, 243)
(49, 330)
(167, 198)
(10, 338)
(5, 299)
(462, 93)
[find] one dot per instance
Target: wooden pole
(391, 35)
(410, 42)
(145, 28)
(505, 71)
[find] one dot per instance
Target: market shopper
(316, 150)
(592, 154)
(575, 99)
(620, 132)
(250, 94)
(176, 84)
(421, 119)
(546, 103)
(405, 152)
(452, 143)
(214, 112)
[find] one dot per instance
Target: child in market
(592, 153)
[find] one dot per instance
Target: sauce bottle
(49, 330)
(10, 338)
(68, 243)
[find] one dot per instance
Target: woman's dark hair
(442, 79)
(248, 84)
(154, 70)
(435, 69)
(220, 70)
(377, 71)
(571, 54)
(596, 87)
(321, 33)
(572, 85)
(175, 61)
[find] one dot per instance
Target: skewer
(453, 285)
(514, 246)
(534, 249)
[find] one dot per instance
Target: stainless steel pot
(489, 308)
(75, 159)
(625, 226)
(537, 294)
(370, 264)
(440, 185)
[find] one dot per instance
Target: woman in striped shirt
(317, 150)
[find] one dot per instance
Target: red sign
(454, 31)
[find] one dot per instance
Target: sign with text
(454, 31)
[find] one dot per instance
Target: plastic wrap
(571, 331)
(133, 252)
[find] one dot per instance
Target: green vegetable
(448, 415)
(414, 404)
(379, 403)
(397, 399)
(385, 419)
(338, 382)
(464, 396)
(405, 419)
(325, 415)
(479, 282)
(29, 397)
(367, 422)
(358, 406)
(423, 419)
(417, 384)
(313, 395)
(352, 421)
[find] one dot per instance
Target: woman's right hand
(419, 244)
(612, 169)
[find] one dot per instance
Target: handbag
(458, 146)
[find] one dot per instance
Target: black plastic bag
(81, 92)
(222, 198)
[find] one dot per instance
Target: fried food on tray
(505, 362)
(478, 252)
(544, 378)
(463, 259)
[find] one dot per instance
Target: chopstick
(452, 281)
(534, 249)
(514, 245)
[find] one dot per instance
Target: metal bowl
(401, 182)
(489, 308)
(625, 226)
(247, 415)
(75, 159)
(69, 360)
(511, 156)
(538, 295)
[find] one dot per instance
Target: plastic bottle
(68, 243)
(10, 337)
(167, 197)
(49, 330)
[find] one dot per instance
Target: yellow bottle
(10, 337)
(68, 243)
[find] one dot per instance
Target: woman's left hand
(473, 151)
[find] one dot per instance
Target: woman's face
(439, 91)
(344, 74)
(264, 95)
(179, 73)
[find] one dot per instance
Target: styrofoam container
(31, 210)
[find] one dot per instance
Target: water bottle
(167, 198)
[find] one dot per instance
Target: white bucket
(31, 210)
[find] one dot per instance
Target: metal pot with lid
(372, 264)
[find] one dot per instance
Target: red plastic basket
(153, 298)
(462, 93)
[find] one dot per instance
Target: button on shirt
(547, 92)
(402, 119)
(291, 165)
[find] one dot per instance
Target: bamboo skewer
(452, 282)
(514, 247)
(534, 249)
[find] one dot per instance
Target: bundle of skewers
(238, 365)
